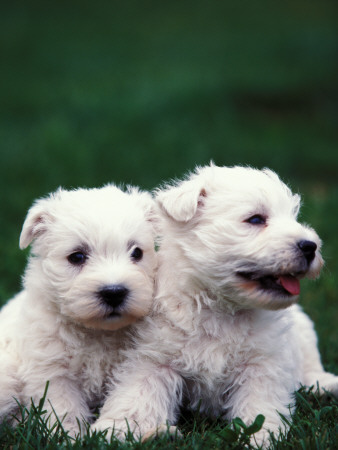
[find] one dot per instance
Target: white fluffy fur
(216, 340)
(58, 328)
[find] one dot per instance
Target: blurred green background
(142, 91)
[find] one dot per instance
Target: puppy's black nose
(309, 249)
(114, 295)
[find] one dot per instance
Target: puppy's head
(237, 230)
(93, 254)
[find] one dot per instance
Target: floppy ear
(181, 202)
(35, 223)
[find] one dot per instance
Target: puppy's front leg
(144, 400)
(64, 402)
(9, 384)
(261, 393)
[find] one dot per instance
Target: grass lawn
(140, 92)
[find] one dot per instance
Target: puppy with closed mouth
(89, 278)
(225, 335)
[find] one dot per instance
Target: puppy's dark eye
(77, 258)
(257, 219)
(137, 254)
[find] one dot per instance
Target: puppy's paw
(327, 382)
(331, 385)
(110, 427)
(172, 431)
(260, 439)
(73, 429)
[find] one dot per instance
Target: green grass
(140, 92)
(314, 426)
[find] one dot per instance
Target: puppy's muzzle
(113, 295)
(308, 248)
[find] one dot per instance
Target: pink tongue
(290, 284)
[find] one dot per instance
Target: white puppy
(90, 276)
(223, 335)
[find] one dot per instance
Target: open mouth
(113, 314)
(285, 284)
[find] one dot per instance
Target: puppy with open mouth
(225, 335)
(89, 278)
